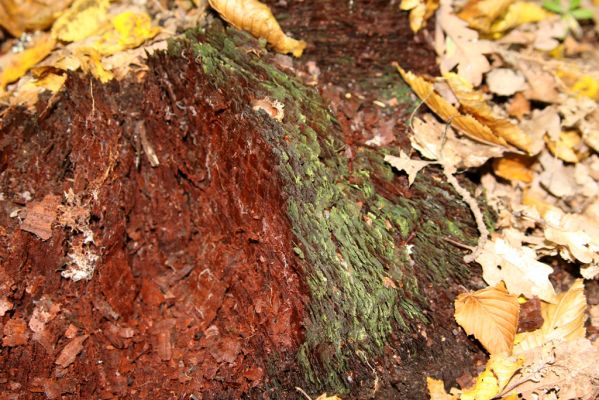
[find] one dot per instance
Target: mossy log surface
(255, 257)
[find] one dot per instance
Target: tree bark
(239, 250)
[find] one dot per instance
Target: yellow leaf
(448, 113)
(15, 65)
(420, 11)
(436, 390)
(514, 167)
(520, 13)
(130, 30)
(473, 103)
(18, 16)
(491, 315)
(563, 320)
(563, 148)
(91, 62)
(325, 397)
(81, 20)
(256, 18)
(493, 379)
(480, 14)
(587, 86)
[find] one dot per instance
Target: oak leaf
(256, 18)
(458, 46)
(491, 315)
(404, 163)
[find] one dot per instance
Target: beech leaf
(491, 315)
(256, 18)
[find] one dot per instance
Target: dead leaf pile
(107, 39)
(518, 92)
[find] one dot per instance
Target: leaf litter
(519, 90)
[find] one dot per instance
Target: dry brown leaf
(437, 141)
(480, 14)
(491, 315)
(458, 46)
(448, 113)
(256, 18)
(15, 65)
(564, 147)
(519, 106)
(569, 368)
(514, 167)
(404, 163)
(563, 320)
(474, 103)
(493, 379)
(505, 259)
(505, 81)
(18, 16)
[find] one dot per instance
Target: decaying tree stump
(238, 251)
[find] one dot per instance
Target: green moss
(348, 237)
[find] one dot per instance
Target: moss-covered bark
(365, 252)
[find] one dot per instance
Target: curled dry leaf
(437, 141)
(473, 102)
(448, 113)
(493, 379)
(563, 320)
(514, 167)
(256, 18)
(491, 315)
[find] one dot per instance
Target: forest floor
(504, 97)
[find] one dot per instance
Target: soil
(197, 292)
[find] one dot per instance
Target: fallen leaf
(404, 163)
(505, 81)
(491, 315)
(564, 147)
(81, 20)
(577, 237)
(129, 30)
(474, 103)
(493, 379)
(519, 13)
(514, 167)
(518, 106)
(517, 266)
(18, 16)
(480, 14)
(420, 11)
(436, 141)
(15, 65)
(458, 46)
(436, 390)
(70, 351)
(563, 320)
(256, 18)
(448, 113)
(569, 368)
